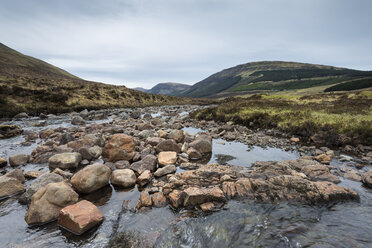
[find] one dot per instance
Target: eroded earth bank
(153, 177)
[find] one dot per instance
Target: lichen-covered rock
(91, 178)
(48, 201)
(120, 147)
(80, 217)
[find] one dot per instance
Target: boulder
(353, 175)
(10, 186)
(124, 178)
(323, 158)
(16, 174)
(3, 162)
(91, 178)
(195, 196)
(177, 135)
(67, 160)
(80, 217)
(168, 145)
(19, 159)
(169, 169)
(332, 192)
(120, 147)
(176, 198)
(77, 120)
(46, 133)
(39, 183)
(47, 202)
(66, 138)
(144, 178)
(319, 172)
(147, 163)
(167, 158)
(367, 179)
(8, 131)
(159, 200)
(202, 143)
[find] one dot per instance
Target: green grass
(342, 118)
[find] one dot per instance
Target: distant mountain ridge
(170, 89)
(272, 76)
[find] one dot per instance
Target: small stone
(124, 178)
(323, 158)
(19, 159)
(77, 120)
(144, 178)
(144, 200)
(80, 217)
(165, 170)
(294, 139)
(167, 158)
(176, 198)
(159, 200)
(33, 174)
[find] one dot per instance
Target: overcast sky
(145, 42)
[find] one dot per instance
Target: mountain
(273, 76)
(31, 85)
(170, 89)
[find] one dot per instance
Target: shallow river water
(238, 224)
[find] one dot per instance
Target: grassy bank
(334, 118)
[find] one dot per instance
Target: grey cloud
(145, 42)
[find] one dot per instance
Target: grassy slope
(341, 118)
(271, 76)
(31, 85)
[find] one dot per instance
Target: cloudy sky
(145, 42)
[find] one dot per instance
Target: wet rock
(3, 162)
(80, 217)
(148, 163)
(10, 186)
(323, 158)
(176, 135)
(124, 178)
(165, 170)
(64, 174)
(39, 183)
(90, 153)
(16, 174)
(153, 141)
(159, 200)
(19, 159)
(353, 175)
(144, 200)
(144, 178)
(367, 179)
(120, 147)
(176, 198)
(68, 160)
(318, 172)
(195, 196)
(46, 133)
(47, 202)
(33, 174)
(8, 131)
(77, 120)
(168, 145)
(194, 154)
(91, 178)
(22, 115)
(167, 158)
(331, 192)
(66, 138)
(202, 143)
(31, 136)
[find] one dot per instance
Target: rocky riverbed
(154, 177)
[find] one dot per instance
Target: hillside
(273, 76)
(34, 86)
(170, 89)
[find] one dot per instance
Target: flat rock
(80, 217)
(165, 170)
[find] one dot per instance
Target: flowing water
(238, 224)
